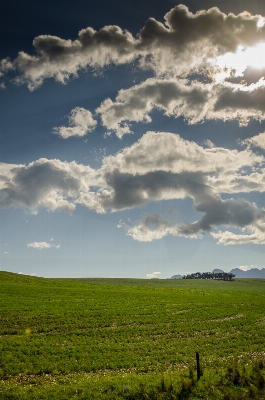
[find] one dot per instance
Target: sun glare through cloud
(236, 63)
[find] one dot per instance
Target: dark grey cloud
(238, 99)
(127, 191)
(236, 213)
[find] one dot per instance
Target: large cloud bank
(160, 166)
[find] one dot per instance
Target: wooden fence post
(198, 366)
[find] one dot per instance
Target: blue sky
(132, 137)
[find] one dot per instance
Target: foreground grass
(235, 382)
(112, 338)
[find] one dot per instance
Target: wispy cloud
(42, 245)
(256, 141)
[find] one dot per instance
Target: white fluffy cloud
(42, 245)
(81, 122)
(182, 44)
(52, 184)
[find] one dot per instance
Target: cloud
(42, 245)
(62, 59)
(242, 103)
(81, 122)
(239, 182)
(236, 213)
(195, 101)
(22, 273)
(171, 96)
(153, 226)
(246, 62)
(245, 267)
(153, 275)
(188, 40)
(182, 44)
(5, 66)
(256, 141)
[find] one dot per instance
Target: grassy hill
(123, 338)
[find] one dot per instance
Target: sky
(132, 137)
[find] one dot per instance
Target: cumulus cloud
(81, 122)
(52, 184)
(256, 141)
(183, 43)
(195, 101)
(153, 275)
(42, 245)
(230, 238)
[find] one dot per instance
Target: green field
(123, 338)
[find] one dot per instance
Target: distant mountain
(176, 277)
(251, 273)
(217, 271)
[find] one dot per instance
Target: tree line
(225, 276)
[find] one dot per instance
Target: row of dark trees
(226, 276)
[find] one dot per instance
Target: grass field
(123, 338)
